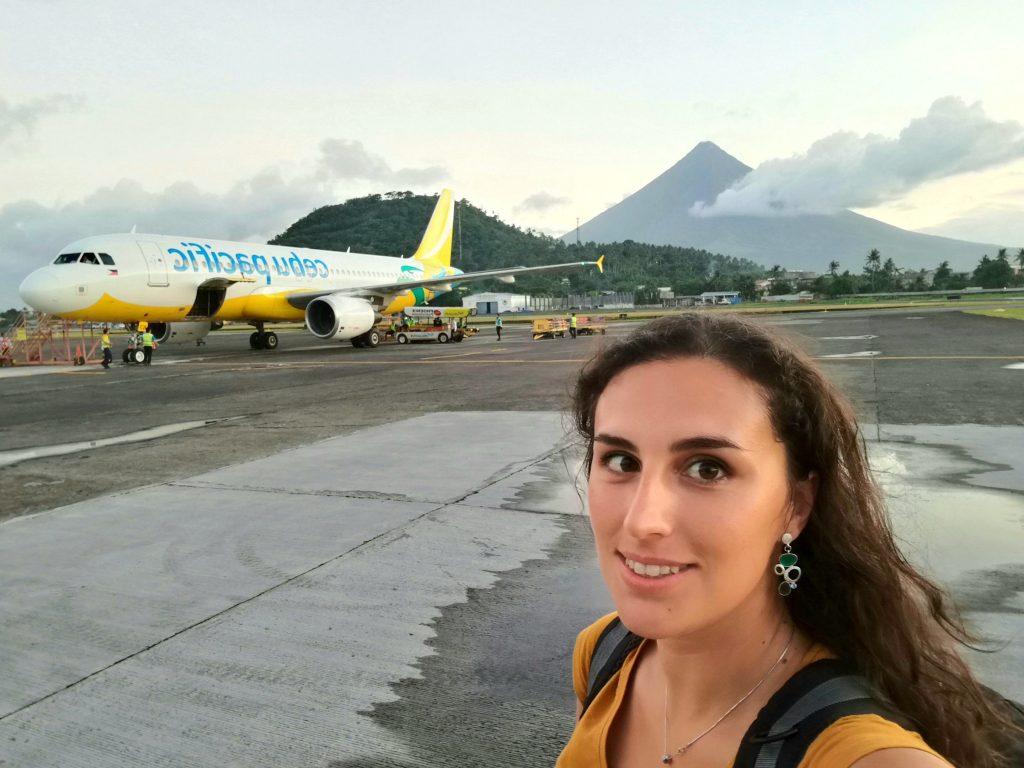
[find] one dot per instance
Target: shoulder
(586, 641)
(870, 741)
(901, 758)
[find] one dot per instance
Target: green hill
(393, 223)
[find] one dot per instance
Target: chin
(655, 622)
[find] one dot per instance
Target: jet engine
(339, 317)
(180, 333)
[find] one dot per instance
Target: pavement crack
(345, 494)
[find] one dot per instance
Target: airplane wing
(301, 299)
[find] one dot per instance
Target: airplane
(184, 287)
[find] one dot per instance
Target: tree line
(878, 276)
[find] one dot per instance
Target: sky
(234, 119)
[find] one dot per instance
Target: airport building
(492, 303)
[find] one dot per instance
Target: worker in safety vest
(148, 344)
(572, 325)
(497, 326)
(108, 354)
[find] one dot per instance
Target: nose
(653, 508)
(38, 290)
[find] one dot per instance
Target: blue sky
(233, 120)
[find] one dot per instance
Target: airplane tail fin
(436, 246)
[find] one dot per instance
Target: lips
(645, 569)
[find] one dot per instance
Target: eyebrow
(685, 444)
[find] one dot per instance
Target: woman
(716, 452)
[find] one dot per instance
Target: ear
(803, 495)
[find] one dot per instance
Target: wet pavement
(270, 600)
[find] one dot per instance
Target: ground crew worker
(497, 326)
(147, 347)
(108, 354)
(572, 325)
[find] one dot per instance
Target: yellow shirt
(839, 746)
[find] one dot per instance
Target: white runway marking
(7, 458)
(1015, 366)
(869, 353)
(865, 337)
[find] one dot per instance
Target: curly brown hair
(866, 602)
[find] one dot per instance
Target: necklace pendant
(666, 759)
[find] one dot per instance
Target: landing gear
(262, 340)
(369, 339)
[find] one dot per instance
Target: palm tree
(833, 266)
(1020, 259)
(873, 266)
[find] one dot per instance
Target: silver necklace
(666, 757)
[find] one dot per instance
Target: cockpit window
(90, 258)
(106, 259)
(67, 258)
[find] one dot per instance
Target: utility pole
(458, 213)
(577, 230)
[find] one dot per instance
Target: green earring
(787, 567)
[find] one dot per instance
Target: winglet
(600, 264)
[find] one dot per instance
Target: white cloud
(989, 224)
(23, 118)
(344, 159)
(845, 170)
(540, 202)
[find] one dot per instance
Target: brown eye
(620, 463)
(706, 471)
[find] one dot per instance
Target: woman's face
(688, 485)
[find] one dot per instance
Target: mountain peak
(708, 151)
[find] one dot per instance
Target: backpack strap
(610, 651)
(809, 702)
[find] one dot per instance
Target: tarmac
(323, 556)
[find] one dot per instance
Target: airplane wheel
(357, 342)
(254, 340)
(138, 355)
(442, 338)
(371, 339)
(270, 340)
(124, 355)
(402, 338)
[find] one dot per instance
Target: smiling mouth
(652, 570)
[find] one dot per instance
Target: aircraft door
(156, 263)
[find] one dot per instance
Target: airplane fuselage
(158, 278)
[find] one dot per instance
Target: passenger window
(107, 259)
(90, 258)
(67, 258)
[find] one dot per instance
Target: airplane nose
(36, 290)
